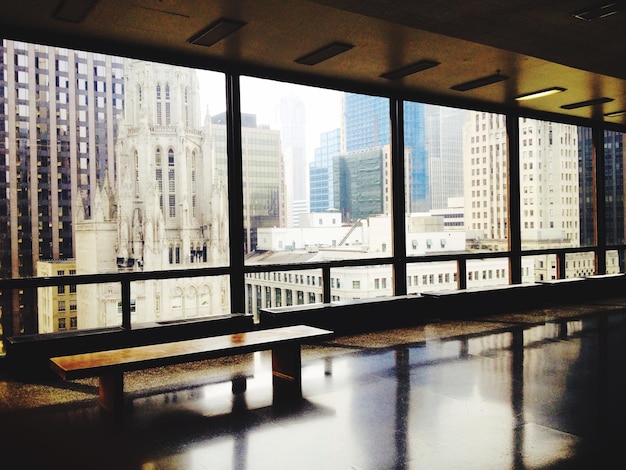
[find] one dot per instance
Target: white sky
(262, 97)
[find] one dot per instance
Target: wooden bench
(109, 366)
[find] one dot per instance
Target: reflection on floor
(540, 389)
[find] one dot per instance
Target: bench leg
(111, 392)
(286, 373)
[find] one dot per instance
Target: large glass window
(316, 173)
(98, 204)
(133, 177)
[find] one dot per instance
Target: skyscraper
(366, 125)
(360, 185)
(263, 174)
(58, 118)
(548, 181)
(444, 148)
(321, 172)
(292, 114)
(614, 186)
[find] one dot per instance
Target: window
(195, 172)
(61, 306)
(62, 323)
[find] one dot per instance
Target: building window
(158, 106)
(172, 205)
(61, 306)
(73, 323)
(62, 324)
(356, 284)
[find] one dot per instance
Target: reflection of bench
(110, 365)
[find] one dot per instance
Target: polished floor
(543, 389)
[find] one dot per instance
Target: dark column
(513, 198)
(398, 192)
(235, 193)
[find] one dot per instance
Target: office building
(292, 115)
(321, 192)
(443, 131)
(613, 186)
(58, 124)
(366, 125)
(57, 307)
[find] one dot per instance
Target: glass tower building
(321, 172)
(366, 125)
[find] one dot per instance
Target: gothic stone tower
(170, 208)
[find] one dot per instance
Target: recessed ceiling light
(616, 113)
(479, 82)
(540, 93)
(324, 53)
(601, 10)
(410, 69)
(582, 104)
(216, 31)
(74, 11)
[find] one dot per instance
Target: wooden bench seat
(109, 366)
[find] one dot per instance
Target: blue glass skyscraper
(367, 125)
(321, 172)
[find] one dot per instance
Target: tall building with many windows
(549, 212)
(366, 125)
(613, 186)
(443, 140)
(58, 124)
(263, 174)
(321, 194)
(292, 115)
(360, 185)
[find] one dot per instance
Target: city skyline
(168, 150)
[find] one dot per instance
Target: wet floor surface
(535, 390)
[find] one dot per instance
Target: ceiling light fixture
(216, 31)
(540, 93)
(74, 11)
(410, 69)
(616, 113)
(324, 53)
(582, 104)
(480, 82)
(598, 11)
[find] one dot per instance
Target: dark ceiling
(537, 44)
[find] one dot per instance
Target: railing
(126, 278)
